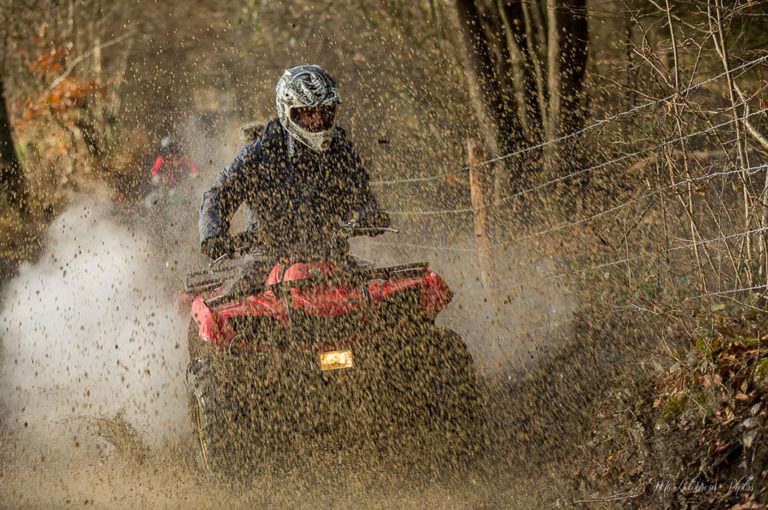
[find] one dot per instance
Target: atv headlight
(334, 360)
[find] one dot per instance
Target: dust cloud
(508, 327)
(89, 333)
(92, 384)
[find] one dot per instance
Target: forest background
(619, 147)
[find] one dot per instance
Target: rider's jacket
(174, 169)
(293, 196)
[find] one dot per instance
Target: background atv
(336, 351)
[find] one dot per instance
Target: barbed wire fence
(597, 124)
(710, 219)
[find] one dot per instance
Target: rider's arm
(362, 201)
(233, 184)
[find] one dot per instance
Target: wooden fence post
(480, 194)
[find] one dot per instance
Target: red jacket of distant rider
(174, 169)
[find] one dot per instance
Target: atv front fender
(435, 295)
(213, 328)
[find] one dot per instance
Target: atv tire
(454, 401)
(213, 405)
(203, 406)
(226, 408)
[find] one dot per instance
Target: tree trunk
(549, 41)
(566, 62)
(96, 107)
(479, 73)
(568, 40)
(11, 174)
(536, 36)
(513, 23)
(499, 125)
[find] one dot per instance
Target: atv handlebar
(352, 231)
(239, 244)
(247, 242)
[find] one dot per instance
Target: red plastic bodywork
(327, 301)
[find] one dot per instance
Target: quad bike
(331, 349)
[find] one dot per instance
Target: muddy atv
(331, 350)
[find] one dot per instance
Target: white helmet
(306, 105)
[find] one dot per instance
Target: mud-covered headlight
(335, 360)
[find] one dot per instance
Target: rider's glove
(216, 247)
(156, 179)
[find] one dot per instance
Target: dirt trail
(130, 475)
(94, 410)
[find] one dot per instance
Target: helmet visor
(314, 118)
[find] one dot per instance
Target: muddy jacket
(293, 195)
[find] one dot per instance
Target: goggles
(314, 119)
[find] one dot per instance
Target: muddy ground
(94, 406)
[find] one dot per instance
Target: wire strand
(574, 133)
(748, 171)
(660, 252)
(425, 247)
(579, 172)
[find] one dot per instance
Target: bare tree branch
(82, 57)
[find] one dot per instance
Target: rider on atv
(299, 180)
(323, 345)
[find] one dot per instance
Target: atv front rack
(355, 278)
